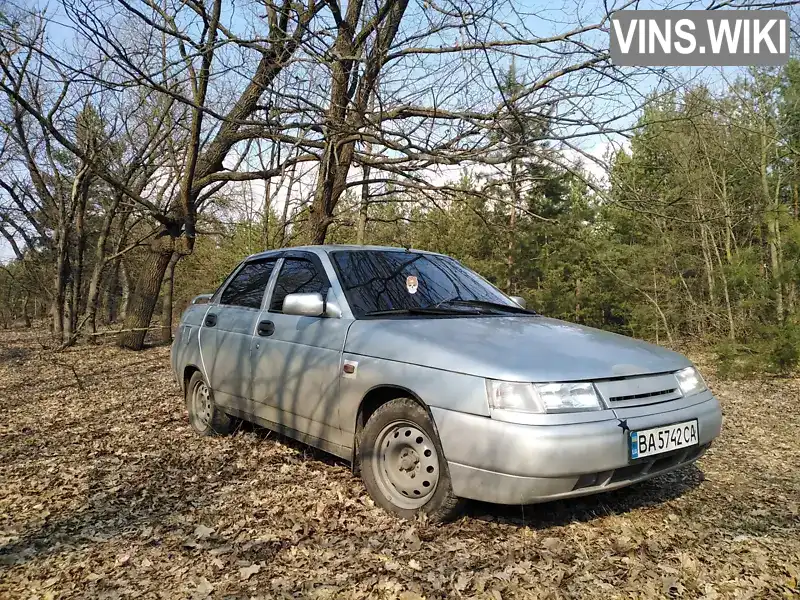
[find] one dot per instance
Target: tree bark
(725, 292)
(60, 285)
(285, 215)
(363, 208)
(773, 233)
(265, 239)
(143, 300)
(69, 310)
(93, 295)
(77, 267)
(125, 291)
(166, 302)
(26, 317)
(512, 226)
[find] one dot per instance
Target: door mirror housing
(519, 300)
(304, 305)
(202, 299)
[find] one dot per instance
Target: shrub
(737, 361)
(785, 352)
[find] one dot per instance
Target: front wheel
(403, 465)
(204, 415)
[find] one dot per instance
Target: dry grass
(106, 492)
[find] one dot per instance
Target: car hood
(520, 348)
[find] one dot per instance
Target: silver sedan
(433, 383)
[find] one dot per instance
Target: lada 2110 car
(436, 385)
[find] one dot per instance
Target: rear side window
(247, 288)
(297, 276)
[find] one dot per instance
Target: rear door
(227, 329)
(296, 360)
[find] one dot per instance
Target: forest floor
(106, 492)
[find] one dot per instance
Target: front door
(228, 329)
(296, 360)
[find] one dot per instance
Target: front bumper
(510, 463)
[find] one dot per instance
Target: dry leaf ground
(106, 492)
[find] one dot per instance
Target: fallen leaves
(246, 573)
(106, 492)
(201, 532)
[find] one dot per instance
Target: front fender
(434, 387)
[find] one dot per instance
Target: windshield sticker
(412, 284)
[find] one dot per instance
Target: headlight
(690, 381)
(542, 397)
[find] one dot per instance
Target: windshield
(377, 281)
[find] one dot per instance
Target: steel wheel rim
(405, 464)
(201, 404)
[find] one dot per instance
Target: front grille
(644, 395)
(640, 390)
(639, 470)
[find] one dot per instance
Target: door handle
(211, 320)
(265, 328)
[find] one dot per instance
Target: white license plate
(658, 440)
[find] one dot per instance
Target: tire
(403, 465)
(205, 417)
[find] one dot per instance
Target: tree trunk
(77, 267)
(791, 292)
(796, 199)
(772, 218)
(60, 285)
(93, 295)
(728, 219)
(125, 291)
(274, 155)
(512, 226)
(773, 235)
(708, 263)
(166, 302)
(363, 209)
(69, 311)
(26, 317)
(773, 232)
(285, 215)
(109, 303)
(143, 300)
(331, 181)
(725, 293)
(265, 216)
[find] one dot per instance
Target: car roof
(326, 248)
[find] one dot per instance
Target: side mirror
(304, 305)
(519, 300)
(202, 299)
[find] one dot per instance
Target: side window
(297, 276)
(247, 288)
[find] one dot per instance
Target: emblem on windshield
(412, 284)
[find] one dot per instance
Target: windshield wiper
(495, 306)
(428, 310)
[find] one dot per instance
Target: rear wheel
(403, 465)
(204, 415)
